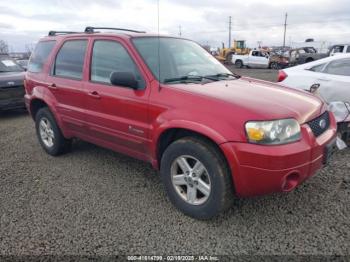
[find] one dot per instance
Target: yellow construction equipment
(225, 54)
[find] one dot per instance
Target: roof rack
(90, 29)
(53, 33)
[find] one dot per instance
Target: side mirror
(126, 79)
(314, 88)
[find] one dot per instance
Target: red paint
(281, 76)
(131, 121)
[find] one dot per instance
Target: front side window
(40, 55)
(170, 58)
(109, 57)
(338, 49)
(70, 59)
(339, 67)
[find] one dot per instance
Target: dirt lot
(94, 201)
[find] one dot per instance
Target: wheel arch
(35, 105)
(171, 134)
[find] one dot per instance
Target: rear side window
(317, 68)
(348, 49)
(40, 55)
(70, 59)
(108, 57)
(338, 67)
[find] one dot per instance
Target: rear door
(65, 83)
(117, 115)
(335, 81)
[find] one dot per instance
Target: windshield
(178, 59)
(7, 64)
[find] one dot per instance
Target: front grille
(320, 124)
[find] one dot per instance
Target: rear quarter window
(40, 55)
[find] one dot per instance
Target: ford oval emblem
(322, 123)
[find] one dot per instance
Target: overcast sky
(206, 21)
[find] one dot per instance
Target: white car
(331, 73)
(339, 49)
(255, 59)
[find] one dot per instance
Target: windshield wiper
(189, 78)
(226, 75)
(215, 77)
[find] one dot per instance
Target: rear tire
(275, 66)
(49, 134)
(206, 189)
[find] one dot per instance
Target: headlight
(275, 132)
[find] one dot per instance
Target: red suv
(167, 101)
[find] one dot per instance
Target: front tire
(49, 134)
(196, 178)
(239, 64)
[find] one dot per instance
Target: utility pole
(285, 29)
(229, 31)
(180, 33)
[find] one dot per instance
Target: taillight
(281, 76)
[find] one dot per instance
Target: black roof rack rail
(53, 33)
(90, 29)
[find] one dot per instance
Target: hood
(264, 100)
(11, 79)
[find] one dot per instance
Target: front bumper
(11, 98)
(259, 169)
(12, 103)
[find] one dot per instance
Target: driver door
(117, 116)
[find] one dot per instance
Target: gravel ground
(94, 201)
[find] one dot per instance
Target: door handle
(94, 94)
(52, 86)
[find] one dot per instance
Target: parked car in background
(331, 78)
(255, 59)
(278, 61)
(210, 133)
(332, 73)
(339, 49)
(11, 84)
(23, 63)
(304, 55)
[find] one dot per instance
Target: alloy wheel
(191, 180)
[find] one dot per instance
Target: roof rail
(53, 33)
(90, 29)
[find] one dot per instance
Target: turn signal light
(255, 134)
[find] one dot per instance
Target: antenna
(159, 87)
